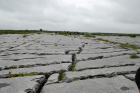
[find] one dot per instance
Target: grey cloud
(75, 15)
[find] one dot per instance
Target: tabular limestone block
(105, 55)
(130, 76)
(52, 79)
(138, 51)
(92, 51)
(21, 84)
(71, 76)
(39, 69)
(112, 61)
(117, 84)
(46, 59)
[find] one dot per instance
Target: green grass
(72, 68)
(61, 75)
(80, 49)
(134, 56)
(78, 52)
(21, 74)
(13, 67)
(24, 42)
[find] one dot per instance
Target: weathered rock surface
(107, 62)
(52, 79)
(38, 60)
(105, 55)
(41, 69)
(117, 84)
(105, 72)
(28, 84)
(130, 76)
(97, 67)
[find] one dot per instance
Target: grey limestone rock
(21, 84)
(117, 84)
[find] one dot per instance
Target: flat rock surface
(33, 60)
(52, 79)
(105, 55)
(130, 76)
(113, 61)
(117, 84)
(82, 64)
(40, 69)
(70, 76)
(93, 51)
(20, 84)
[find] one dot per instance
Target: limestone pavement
(66, 64)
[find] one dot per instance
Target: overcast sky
(114, 16)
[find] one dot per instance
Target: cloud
(71, 15)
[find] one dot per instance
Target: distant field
(64, 33)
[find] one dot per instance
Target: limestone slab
(105, 55)
(113, 61)
(46, 60)
(117, 84)
(92, 51)
(70, 76)
(21, 84)
(52, 79)
(39, 69)
(131, 76)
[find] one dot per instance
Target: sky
(108, 16)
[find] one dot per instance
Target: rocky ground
(66, 64)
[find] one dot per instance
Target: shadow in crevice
(4, 85)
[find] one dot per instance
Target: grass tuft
(21, 74)
(61, 76)
(134, 56)
(72, 68)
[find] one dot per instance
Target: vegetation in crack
(72, 68)
(67, 52)
(73, 58)
(20, 74)
(124, 45)
(78, 52)
(80, 49)
(61, 76)
(24, 36)
(13, 67)
(134, 56)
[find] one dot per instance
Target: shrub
(132, 35)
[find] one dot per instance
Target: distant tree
(26, 30)
(41, 30)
